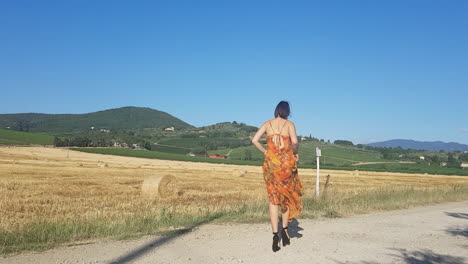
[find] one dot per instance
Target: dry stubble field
(66, 196)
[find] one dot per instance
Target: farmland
(307, 157)
(51, 196)
(10, 137)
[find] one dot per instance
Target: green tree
(463, 157)
(343, 142)
(433, 159)
(452, 162)
(247, 155)
(199, 151)
(58, 142)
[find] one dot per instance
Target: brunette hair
(282, 110)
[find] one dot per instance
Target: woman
(280, 170)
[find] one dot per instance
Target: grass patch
(45, 235)
(11, 137)
(334, 204)
(168, 220)
(170, 149)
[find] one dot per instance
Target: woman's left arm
(257, 137)
(294, 141)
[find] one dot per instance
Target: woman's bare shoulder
(266, 122)
(269, 122)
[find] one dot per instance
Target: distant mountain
(113, 119)
(424, 145)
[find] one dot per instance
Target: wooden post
(326, 184)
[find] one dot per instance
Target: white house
(421, 157)
(464, 165)
(169, 129)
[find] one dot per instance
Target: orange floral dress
(280, 173)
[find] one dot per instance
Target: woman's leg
(284, 221)
(285, 218)
(274, 217)
(273, 208)
(284, 231)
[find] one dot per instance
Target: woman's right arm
(257, 137)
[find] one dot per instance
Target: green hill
(337, 155)
(9, 137)
(228, 130)
(332, 154)
(123, 118)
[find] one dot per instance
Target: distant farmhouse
(101, 130)
(120, 145)
(464, 165)
(136, 146)
(211, 156)
(217, 156)
(169, 129)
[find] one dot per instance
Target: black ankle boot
(285, 237)
(275, 245)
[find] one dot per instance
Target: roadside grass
(173, 218)
(411, 168)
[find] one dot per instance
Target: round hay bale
(239, 172)
(159, 186)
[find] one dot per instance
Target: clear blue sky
(358, 70)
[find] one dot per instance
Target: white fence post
(317, 180)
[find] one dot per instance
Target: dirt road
(433, 234)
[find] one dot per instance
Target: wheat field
(38, 184)
(53, 185)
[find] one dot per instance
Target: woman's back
(280, 130)
(278, 126)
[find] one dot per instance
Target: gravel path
(433, 234)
